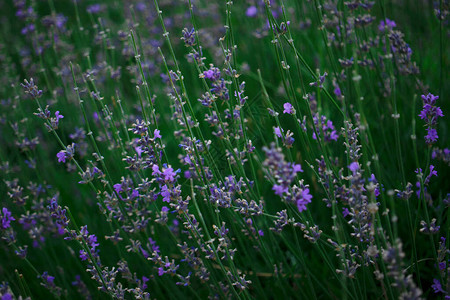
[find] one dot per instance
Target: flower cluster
(325, 126)
(430, 114)
(31, 88)
(92, 244)
(51, 123)
(48, 282)
(66, 154)
(285, 176)
(287, 138)
(6, 218)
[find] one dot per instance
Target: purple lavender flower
(58, 213)
(278, 131)
(188, 37)
(156, 134)
(220, 89)
(431, 228)
(61, 155)
(153, 246)
(251, 12)
(437, 287)
(55, 121)
(48, 278)
(118, 187)
(22, 11)
(426, 181)
(283, 28)
(91, 241)
(288, 108)
(431, 136)
(69, 153)
(30, 28)
(31, 88)
(389, 24)
(279, 189)
(206, 100)
(375, 182)
(169, 174)
(433, 172)
(48, 282)
(330, 133)
(165, 193)
(297, 168)
(430, 114)
(43, 114)
(281, 221)
(139, 151)
(345, 212)
(6, 218)
(7, 296)
(140, 127)
(305, 198)
(59, 21)
(337, 91)
(354, 166)
(212, 74)
(347, 62)
(21, 252)
(283, 172)
(94, 8)
(58, 115)
(83, 255)
(156, 171)
(287, 140)
(441, 154)
(320, 81)
(81, 287)
(144, 282)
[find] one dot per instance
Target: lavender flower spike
(6, 218)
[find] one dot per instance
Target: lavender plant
(224, 150)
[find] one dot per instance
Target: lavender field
(251, 149)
